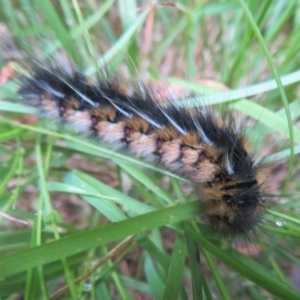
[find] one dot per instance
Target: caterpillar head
(233, 201)
(233, 209)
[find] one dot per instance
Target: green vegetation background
(141, 238)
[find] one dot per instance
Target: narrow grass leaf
(267, 117)
(55, 22)
(217, 276)
(174, 279)
(18, 108)
(121, 44)
(248, 268)
(155, 282)
(17, 262)
(98, 189)
(107, 207)
(140, 176)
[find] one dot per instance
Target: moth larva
(195, 143)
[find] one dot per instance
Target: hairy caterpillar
(196, 143)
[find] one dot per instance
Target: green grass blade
(248, 268)
(64, 247)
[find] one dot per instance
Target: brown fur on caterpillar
(197, 144)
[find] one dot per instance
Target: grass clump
(80, 219)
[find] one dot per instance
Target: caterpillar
(198, 144)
